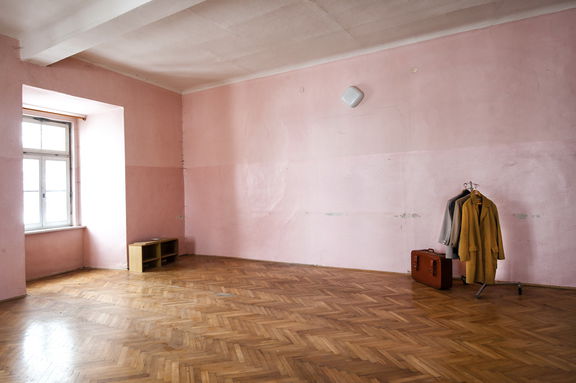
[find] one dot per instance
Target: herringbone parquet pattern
(209, 319)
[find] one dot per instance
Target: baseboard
(542, 286)
(524, 284)
(53, 275)
(372, 271)
(101, 268)
(304, 264)
(292, 263)
(13, 298)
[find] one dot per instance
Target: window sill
(42, 231)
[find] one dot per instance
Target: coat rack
(471, 186)
(484, 285)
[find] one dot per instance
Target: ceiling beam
(94, 24)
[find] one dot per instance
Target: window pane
(31, 174)
(56, 206)
(31, 208)
(53, 137)
(31, 135)
(56, 175)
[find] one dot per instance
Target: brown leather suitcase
(432, 269)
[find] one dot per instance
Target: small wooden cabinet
(154, 253)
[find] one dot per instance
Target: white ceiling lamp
(352, 96)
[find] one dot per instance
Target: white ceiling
(186, 45)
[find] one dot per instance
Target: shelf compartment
(169, 246)
(148, 266)
(149, 252)
(168, 259)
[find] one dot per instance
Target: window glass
(56, 175)
(46, 173)
(56, 206)
(53, 137)
(32, 208)
(31, 174)
(31, 135)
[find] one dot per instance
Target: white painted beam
(99, 21)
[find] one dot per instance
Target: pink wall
(12, 281)
(153, 152)
(153, 149)
(103, 189)
(53, 253)
(279, 169)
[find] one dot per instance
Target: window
(47, 173)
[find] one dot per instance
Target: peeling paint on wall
(329, 213)
(524, 216)
(408, 215)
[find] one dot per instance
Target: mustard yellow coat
(480, 239)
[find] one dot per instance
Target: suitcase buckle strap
(416, 262)
(433, 267)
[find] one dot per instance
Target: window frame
(43, 155)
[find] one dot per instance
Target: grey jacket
(447, 224)
(446, 229)
(456, 221)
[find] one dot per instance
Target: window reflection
(48, 351)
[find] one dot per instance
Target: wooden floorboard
(210, 319)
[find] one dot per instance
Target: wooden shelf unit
(154, 253)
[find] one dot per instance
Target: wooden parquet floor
(209, 319)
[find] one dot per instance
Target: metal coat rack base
(484, 285)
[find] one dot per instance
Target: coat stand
(484, 285)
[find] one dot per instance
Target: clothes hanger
(470, 186)
(473, 189)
